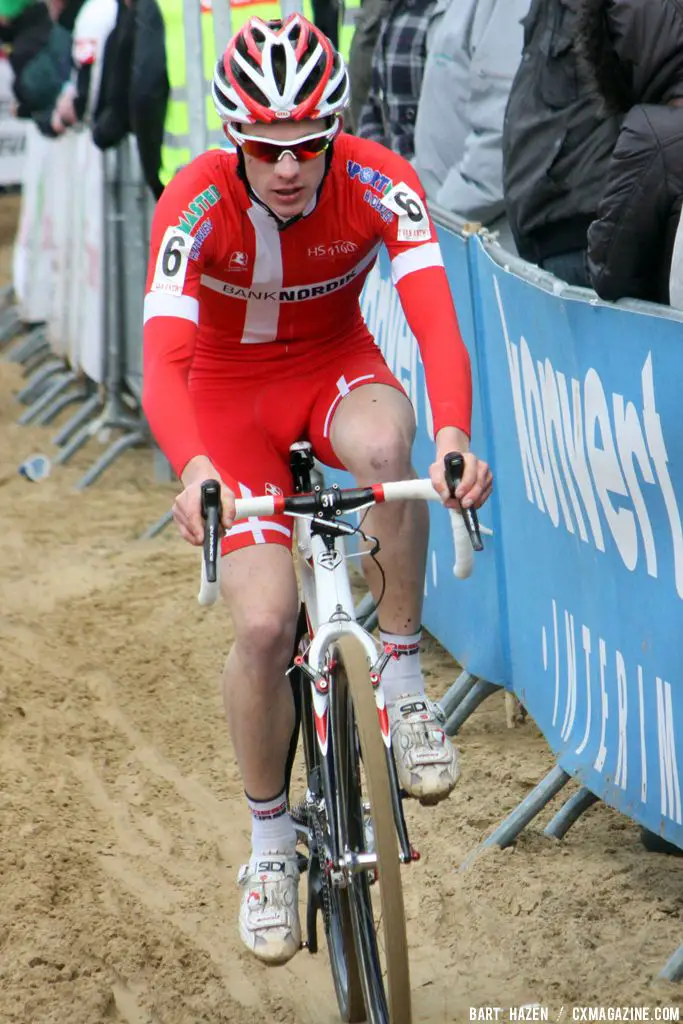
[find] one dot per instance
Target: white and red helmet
(277, 70)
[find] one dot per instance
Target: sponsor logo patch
(339, 248)
(369, 176)
(238, 261)
(200, 205)
(376, 203)
(203, 232)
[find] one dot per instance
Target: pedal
(312, 926)
(314, 904)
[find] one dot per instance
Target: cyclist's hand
(477, 479)
(187, 507)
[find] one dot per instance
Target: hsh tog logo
(581, 449)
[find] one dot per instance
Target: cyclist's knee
(385, 455)
(266, 636)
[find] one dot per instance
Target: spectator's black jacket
(631, 242)
(634, 49)
(556, 143)
(27, 35)
(149, 90)
(111, 121)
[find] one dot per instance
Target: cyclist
(254, 339)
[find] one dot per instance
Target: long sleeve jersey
(228, 284)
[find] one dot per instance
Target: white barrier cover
(12, 131)
(74, 186)
(33, 248)
(60, 200)
(88, 293)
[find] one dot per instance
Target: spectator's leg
(326, 17)
(368, 24)
(569, 267)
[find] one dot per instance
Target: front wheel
(366, 824)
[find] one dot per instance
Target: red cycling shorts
(249, 418)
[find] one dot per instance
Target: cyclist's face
(288, 185)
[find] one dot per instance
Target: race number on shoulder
(413, 222)
(169, 274)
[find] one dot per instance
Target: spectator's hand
(56, 124)
(187, 507)
(65, 105)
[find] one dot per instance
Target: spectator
(634, 52)
(41, 57)
(474, 49)
(111, 119)
(149, 89)
(390, 109)
(368, 25)
(160, 112)
(557, 145)
(326, 17)
(25, 27)
(79, 97)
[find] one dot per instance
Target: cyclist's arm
(171, 318)
(420, 278)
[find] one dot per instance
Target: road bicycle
(351, 830)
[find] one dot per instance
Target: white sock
(272, 829)
(403, 675)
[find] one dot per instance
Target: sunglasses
(308, 148)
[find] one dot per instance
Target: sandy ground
(123, 824)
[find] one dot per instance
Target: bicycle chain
(314, 819)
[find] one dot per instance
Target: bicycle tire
(339, 933)
(388, 1003)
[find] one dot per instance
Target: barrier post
(569, 813)
(24, 348)
(526, 811)
(62, 380)
(476, 695)
(673, 969)
(458, 691)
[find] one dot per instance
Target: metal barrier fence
(575, 603)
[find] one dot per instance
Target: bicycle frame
(331, 615)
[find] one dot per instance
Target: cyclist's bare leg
(259, 586)
(372, 434)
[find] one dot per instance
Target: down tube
(463, 615)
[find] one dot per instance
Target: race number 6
(413, 221)
(412, 207)
(171, 266)
(173, 255)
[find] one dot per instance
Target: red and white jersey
(229, 283)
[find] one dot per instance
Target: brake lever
(211, 513)
(454, 464)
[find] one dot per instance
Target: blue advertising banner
(463, 615)
(588, 451)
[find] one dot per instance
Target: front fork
(319, 683)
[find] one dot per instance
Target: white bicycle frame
(327, 591)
